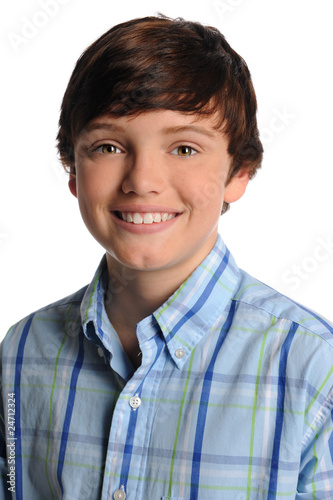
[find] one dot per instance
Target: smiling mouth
(145, 217)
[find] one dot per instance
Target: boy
(174, 374)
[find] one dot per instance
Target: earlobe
(72, 185)
(237, 186)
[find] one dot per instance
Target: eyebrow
(103, 126)
(167, 131)
(189, 128)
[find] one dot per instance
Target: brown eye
(107, 149)
(184, 151)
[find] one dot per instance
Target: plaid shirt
(233, 399)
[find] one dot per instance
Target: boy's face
(154, 166)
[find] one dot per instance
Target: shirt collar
(96, 325)
(183, 319)
(191, 311)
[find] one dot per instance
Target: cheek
(94, 185)
(206, 193)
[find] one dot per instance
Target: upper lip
(132, 207)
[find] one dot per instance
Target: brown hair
(162, 63)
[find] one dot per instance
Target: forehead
(165, 122)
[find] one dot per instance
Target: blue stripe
(69, 410)
(279, 412)
(312, 313)
(204, 400)
(100, 303)
(18, 447)
(128, 449)
(330, 441)
(203, 297)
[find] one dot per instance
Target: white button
(119, 495)
(135, 402)
(180, 353)
(100, 352)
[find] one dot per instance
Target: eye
(107, 149)
(184, 151)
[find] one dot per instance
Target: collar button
(180, 353)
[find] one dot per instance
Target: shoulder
(262, 301)
(50, 319)
(286, 342)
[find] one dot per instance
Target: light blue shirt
(233, 398)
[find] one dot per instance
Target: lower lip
(154, 227)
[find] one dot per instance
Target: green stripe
(179, 420)
(314, 470)
(201, 486)
(173, 298)
(116, 395)
(51, 401)
(212, 273)
(66, 387)
(254, 409)
(318, 392)
(91, 297)
(79, 465)
(276, 330)
(184, 344)
(244, 288)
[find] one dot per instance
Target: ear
(72, 185)
(237, 185)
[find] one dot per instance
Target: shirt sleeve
(4, 492)
(316, 471)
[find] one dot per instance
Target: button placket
(133, 411)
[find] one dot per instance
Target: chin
(141, 261)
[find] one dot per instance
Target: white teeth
(137, 219)
(147, 218)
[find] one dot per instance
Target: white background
(281, 231)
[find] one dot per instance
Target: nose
(143, 175)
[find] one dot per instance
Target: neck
(134, 294)
(140, 292)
